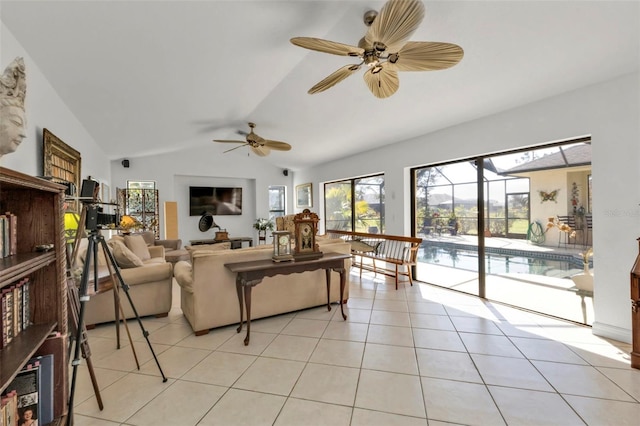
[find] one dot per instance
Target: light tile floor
(420, 355)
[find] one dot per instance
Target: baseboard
(612, 332)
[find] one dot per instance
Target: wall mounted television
(214, 200)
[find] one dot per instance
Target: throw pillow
(125, 257)
(137, 245)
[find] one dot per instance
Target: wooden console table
(236, 242)
(250, 274)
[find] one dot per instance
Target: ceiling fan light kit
(385, 49)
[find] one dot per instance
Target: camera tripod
(95, 239)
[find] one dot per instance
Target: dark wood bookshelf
(38, 205)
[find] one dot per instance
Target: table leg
(247, 302)
(328, 274)
(342, 284)
(239, 290)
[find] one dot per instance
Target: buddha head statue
(13, 89)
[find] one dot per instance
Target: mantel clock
(281, 246)
(306, 228)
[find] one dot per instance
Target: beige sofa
(149, 284)
(208, 289)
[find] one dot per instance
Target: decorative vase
(584, 280)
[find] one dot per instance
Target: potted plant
(453, 224)
(263, 225)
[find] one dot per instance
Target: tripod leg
(94, 382)
(125, 287)
(118, 307)
(74, 306)
(83, 299)
(126, 327)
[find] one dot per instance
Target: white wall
(607, 111)
(45, 109)
(207, 165)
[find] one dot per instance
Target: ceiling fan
(385, 49)
(260, 146)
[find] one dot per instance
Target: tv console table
(236, 242)
(250, 274)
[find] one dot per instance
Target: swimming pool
(560, 266)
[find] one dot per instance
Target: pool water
(499, 263)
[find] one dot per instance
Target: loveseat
(173, 251)
(208, 289)
(143, 269)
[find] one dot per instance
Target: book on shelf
(9, 409)
(3, 219)
(15, 310)
(45, 396)
(56, 345)
(8, 234)
(7, 315)
(13, 233)
(26, 384)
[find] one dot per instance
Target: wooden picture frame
(304, 196)
(60, 161)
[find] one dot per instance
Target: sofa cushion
(125, 257)
(137, 245)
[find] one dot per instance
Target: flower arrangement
(263, 224)
(554, 222)
(127, 223)
(586, 255)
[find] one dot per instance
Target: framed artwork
(106, 193)
(304, 196)
(61, 162)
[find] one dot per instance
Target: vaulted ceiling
(149, 77)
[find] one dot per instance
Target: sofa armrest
(156, 251)
(183, 273)
(169, 244)
(147, 274)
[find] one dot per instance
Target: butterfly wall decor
(549, 196)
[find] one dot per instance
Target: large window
(277, 200)
(355, 204)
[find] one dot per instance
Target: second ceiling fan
(385, 49)
(260, 146)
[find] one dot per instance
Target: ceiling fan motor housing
(369, 17)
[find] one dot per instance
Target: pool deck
(551, 295)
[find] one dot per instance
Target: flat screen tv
(214, 200)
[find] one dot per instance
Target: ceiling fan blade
(426, 56)
(334, 78)
(260, 151)
(384, 82)
(239, 146)
(327, 46)
(228, 141)
(278, 146)
(396, 22)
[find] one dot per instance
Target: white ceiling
(148, 77)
